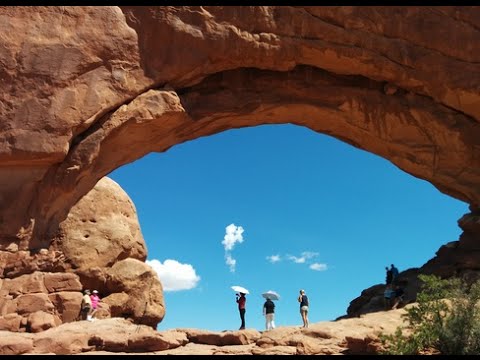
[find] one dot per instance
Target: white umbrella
(272, 295)
(240, 289)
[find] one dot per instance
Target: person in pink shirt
(95, 300)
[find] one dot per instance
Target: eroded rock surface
(88, 89)
(98, 246)
(115, 335)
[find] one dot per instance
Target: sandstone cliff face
(88, 89)
(98, 246)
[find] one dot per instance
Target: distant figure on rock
(241, 300)
(394, 271)
(269, 313)
(86, 306)
(95, 299)
(399, 292)
(388, 279)
(303, 300)
(388, 295)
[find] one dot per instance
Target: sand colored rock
(101, 229)
(244, 337)
(105, 86)
(76, 93)
(119, 336)
(40, 321)
(137, 280)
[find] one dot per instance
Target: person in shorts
(86, 306)
(303, 300)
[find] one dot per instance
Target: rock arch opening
(294, 191)
(105, 86)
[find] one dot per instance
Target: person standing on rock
(95, 300)
(241, 300)
(394, 271)
(86, 306)
(388, 279)
(303, 300)
(269, 313)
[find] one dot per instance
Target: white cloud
(306, 255)
(318, 267)
(309, 254)
(231, 262)
(175, 276)
(233, 234)
(298, 260)
(273, 258)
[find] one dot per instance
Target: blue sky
(332, 215)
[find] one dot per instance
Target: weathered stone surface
(14, 344)
(67, 304)
(55, 282)
(229, 64)
(40, 320)
(275, 350)
(243, 337)
(115, 335)
(25, 284)
(30, 303)
(101, 229)
(389, 80)
(10, 322)
(145, 296)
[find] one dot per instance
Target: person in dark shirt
(394, 271)
(269, 312)
(303, 300)
(241, 300)
(389, 276)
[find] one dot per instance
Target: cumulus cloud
(318, 267)
(174, 275)
(233, 235)
(274, 258)
(306, 255)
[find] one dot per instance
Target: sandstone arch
(88, 89)
(96, 88)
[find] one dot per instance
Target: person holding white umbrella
(269, 309)
(269, 313)
(242, 301)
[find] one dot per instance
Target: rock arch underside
(86, 90)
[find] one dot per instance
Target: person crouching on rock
(241, 300)
(86, 307)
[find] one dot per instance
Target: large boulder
(101, 229)
(141, 294)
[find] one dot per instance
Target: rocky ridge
(119, 336)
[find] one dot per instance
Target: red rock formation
(88, 89)
(352, 336)
(99, 246)
(389, 80)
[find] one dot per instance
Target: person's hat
(87, 291)
(95, 291)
